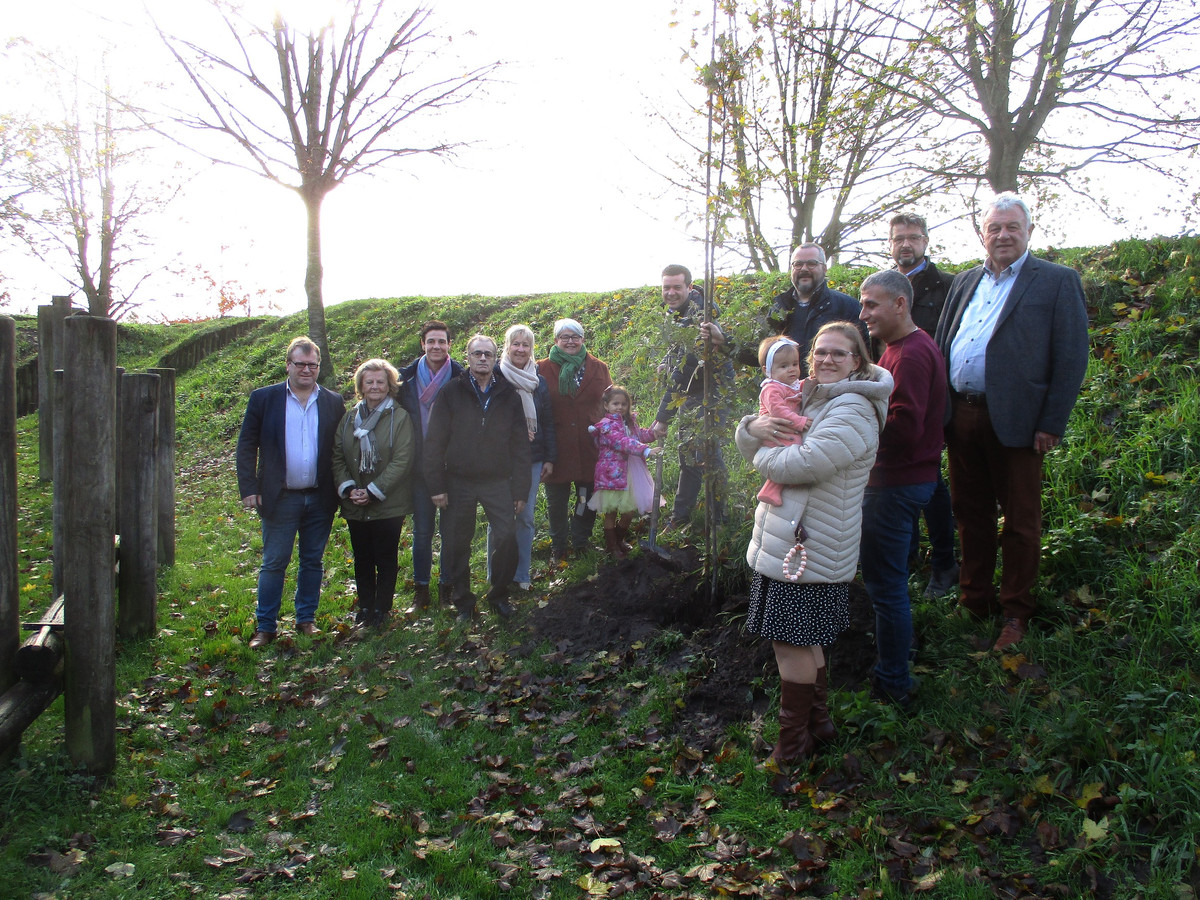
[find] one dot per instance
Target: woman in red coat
(577, 381)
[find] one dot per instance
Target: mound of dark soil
(733, 674)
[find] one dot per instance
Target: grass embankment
(436, 762)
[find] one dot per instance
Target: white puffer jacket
(823, 479)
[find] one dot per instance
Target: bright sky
(556, 193)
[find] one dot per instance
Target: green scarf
(569, 366)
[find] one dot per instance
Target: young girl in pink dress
(780, 397)
(622, 483)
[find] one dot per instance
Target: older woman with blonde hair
(519, 369)
(372, 466)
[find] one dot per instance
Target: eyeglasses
(482, 354)
(807, 264)
(835, 355)
(907, 238)
(569, 338)
(312, 367)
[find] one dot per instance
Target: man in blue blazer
(1014, 335)
(285, 472)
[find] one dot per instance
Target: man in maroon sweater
(905, 472)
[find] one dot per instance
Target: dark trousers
(376, 545)
(691, 481)
(939, 523)
(496, 498)
(986, 476)
(562, 509)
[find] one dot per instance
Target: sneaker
(523, 585)
(880, 694)
(1011, 634)
(942, 582)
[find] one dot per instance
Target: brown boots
(804, 722)
(795, 706)
(820, 725)
(612, 543)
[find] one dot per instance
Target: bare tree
(308, 110)
(1030, 93)
(809, 148)
(74, 189)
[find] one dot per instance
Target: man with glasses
(285, 473)
(799, 312)
(908, 239)
(477, 453)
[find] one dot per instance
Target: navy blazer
(261, 456)
(1037, 355)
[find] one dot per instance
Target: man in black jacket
(908, 238)
(798, 312)
(477, 452)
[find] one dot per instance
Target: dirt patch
(733, 675)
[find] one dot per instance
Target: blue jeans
(888, 517)
(524, 532)
(424, 518)
(297, 514)
(939, 522)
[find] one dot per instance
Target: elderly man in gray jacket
(1014, 335)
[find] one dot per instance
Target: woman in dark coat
(576, 380)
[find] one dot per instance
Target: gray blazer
(1036, 357)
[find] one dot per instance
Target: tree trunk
(313, 276)
(10, 599)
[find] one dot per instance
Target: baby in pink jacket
(780, 397)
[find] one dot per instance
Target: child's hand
(653, 451)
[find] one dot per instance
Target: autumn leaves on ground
(610, 740)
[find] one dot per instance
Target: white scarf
(525, 381)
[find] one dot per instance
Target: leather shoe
(261, 639)
(309, 628)
(501, 606)
(420, 598)
(1011, 634)
(942, 582)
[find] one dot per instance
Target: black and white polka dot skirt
(801, 614)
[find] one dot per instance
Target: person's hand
(1044, 443)
(547, 470)
(712, 333)
(659, 429)
(654, 451)
(518, 507)
(360, 496)
(252, 501)
(441, 501)
(766, 428)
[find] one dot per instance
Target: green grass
(439, 762)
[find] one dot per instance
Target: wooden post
(137, 611)
(89, 511)
(10, 598)
(56, 513)
(50, 319)
(166, 466)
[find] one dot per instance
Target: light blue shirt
(300, 440)
(968, 350)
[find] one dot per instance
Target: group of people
(436, 441)
(987, 366)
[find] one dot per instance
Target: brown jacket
(572, 415)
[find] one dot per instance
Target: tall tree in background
(1031, 92)
(308, 110)
(76, 190)
(810, 149)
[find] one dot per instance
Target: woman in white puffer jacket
(845, 398)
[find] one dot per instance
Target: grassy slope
(432, 762)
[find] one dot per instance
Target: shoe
(523, 585)
(558, 559)
(261, 639)
(1011, 634)
(309, 628)
(942, 582)
(880, 694)
(795, 708)
(500, 605)
(420, 598)
(820, 724)
(465, 606)
(622, 533)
